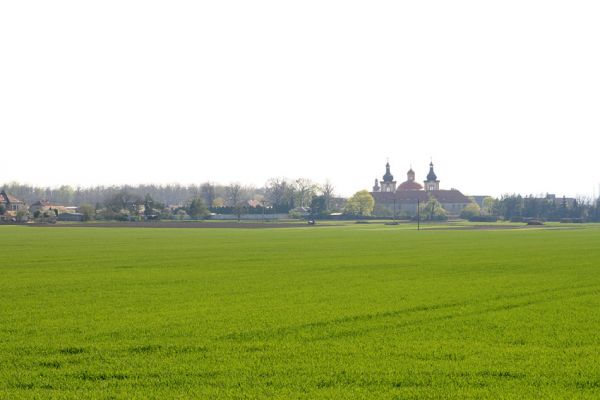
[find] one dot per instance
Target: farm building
(404, 199)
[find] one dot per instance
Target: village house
(10, 206)
(45, 206)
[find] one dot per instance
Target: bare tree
(305, 190)
(234, 193)
(207, 191)
(276, 191)
(327, 189)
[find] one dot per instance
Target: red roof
(411, 196)
(8, 198)
(410, 185)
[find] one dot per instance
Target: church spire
(431, 175)
(388, 177)
(432, 182)
(388, 184)
(376, 187)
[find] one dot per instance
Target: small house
(10, 206)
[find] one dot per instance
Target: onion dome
(388, 177)
(431, 175)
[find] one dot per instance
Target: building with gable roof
(11, 206)
(44, 206)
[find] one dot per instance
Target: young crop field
(336, 312)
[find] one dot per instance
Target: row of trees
(549, 208)
(280, 193)
(166, 194)
(517, 207)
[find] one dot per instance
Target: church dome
(410, 185)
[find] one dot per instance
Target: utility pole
(418, 214)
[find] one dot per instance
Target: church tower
(388, 184)
(432, 182)
(376, 187)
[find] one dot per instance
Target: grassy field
(361, 311)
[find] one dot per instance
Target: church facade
(403, 199)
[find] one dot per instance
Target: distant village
(282, 198)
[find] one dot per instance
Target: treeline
(278, 194)
(77, 196)
(515, 207)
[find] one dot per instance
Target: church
(403, 199)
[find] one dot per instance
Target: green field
(356, 311)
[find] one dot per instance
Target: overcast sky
(503, 95)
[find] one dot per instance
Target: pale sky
(503, 95)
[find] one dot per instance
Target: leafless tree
(207, 191)
(327, 189)
(234, 193)
(276, 191)
(305, 190)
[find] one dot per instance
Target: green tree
(148, 205)
(488, 205)
(360, 204)
(432, 211)
(318, 205)
(88, 211)
(197, 208)
(22, 216)
(471, 210)
(123, 200)
(510, 206)
(181, 215)
(2, 209)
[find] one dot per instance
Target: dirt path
(175, 224)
